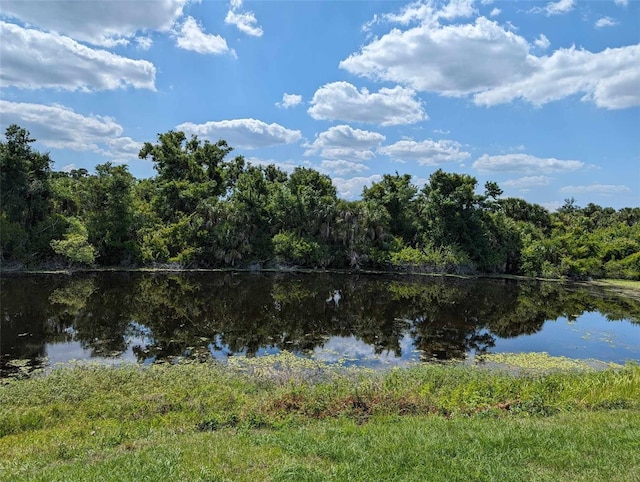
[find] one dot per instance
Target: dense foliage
(203, 209)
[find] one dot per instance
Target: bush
(293, 248)
(627, 268)
(75, 246)
(442, 258)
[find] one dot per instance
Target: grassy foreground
(286, 419)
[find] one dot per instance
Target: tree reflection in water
(163, 316)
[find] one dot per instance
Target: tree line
(205, 208)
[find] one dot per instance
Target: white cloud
(32, 59)
(245, 133)
(191, 37)
(413, 12)
(622, 3)
(68, 168)
(527, 182)
(497, 65)
(603, 189)
(289, 100)
(245, 21)
(342, 167)
(286, 166)
(428, 12)
(352, 188)
(59, 127)
(100, 22)
(525, 163)
(452, 60)
(345, 142)
(542, 42)
(343, 101)
(144, 43)
(606, 22)
(457, 8)
(122, 149)
(427, 152)
(556, 8)
(495, 12)
(610, 79)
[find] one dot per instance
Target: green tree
(108, 201)
(188, 172)
(397, 196)
(453, 214)
(192, 175)
(25, 197)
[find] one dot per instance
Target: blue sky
(542, 97)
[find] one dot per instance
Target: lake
(357, 319)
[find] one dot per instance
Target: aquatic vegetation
(541, 361)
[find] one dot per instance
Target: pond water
(361, 319)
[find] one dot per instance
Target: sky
(541, 97)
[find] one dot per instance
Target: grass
(282, 419)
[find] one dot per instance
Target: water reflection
(152, 317)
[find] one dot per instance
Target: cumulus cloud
(343, 101)
(191, 37)
(495, 12)
(245, 133)
(32, 59)
(452, 60)
(542, 42)
(352, 188)
(342, 167)
(59, 127)
(244, 20)
(496, 65)
(602, 189)
(345, 142)
(427, 152)
(289, 100)
(121, 149)
(610, 79)
(428, 12)
(527, 182)
(605, 22)
(99, 22)
(525, 163)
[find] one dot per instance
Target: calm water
(364, 319)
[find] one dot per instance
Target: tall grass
(282, 420)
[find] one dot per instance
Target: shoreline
(625, 287)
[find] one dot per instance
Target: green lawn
(288, 420)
